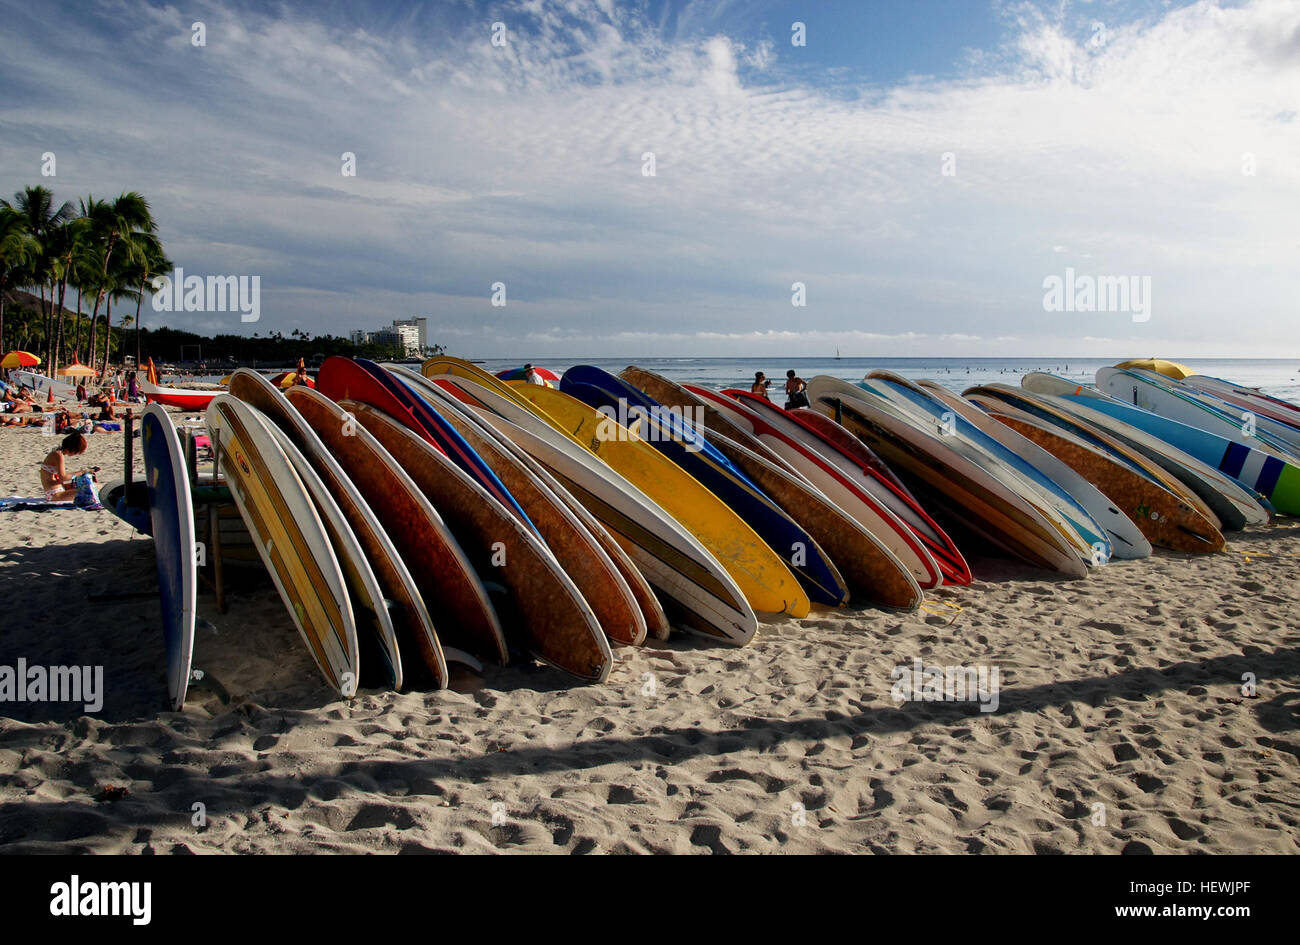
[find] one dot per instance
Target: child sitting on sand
(58, 483)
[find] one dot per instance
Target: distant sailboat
(837, 352)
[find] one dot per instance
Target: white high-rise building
(421, 324)
(406, 333)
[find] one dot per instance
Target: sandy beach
(1121, 724)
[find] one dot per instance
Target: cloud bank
(921, 216)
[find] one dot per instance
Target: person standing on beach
(532, 376)
(760, 385)
(795, 387)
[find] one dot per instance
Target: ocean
(1277, 377)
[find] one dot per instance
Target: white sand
(1122, 690)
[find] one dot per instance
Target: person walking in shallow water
(760, 385)
(795, 387)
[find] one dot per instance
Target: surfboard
(171, 516)
(949, 481)
(702, 596)
(672, 394)
(384, 597)
(446, 438)
(1035, 407)
(1140, 390)
(290, 537)
(456, 601)
(1162, 515)
(375, 634)
(678, 440)
(652, 612)
(1235, 505)
(768, 585)
(870, 570)
(564, 533)
(1250, 398)
(1052, 501)
(1127, 540)
(885, 511)
(553, 621)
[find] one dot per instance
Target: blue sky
(1144, 139)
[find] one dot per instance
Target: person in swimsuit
(760, 385)
(55, 478)
(794, 391)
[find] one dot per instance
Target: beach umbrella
(19, 359)
(78, 370)
(1160, 366)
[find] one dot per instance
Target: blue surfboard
(172, 518)
(782, 534)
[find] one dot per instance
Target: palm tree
(113, 224)
(36, 204)
(67, 241)
(147, 261)
(85, 276)
(16, 251)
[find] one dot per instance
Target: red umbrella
(19, 359)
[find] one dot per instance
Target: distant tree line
(108, 252)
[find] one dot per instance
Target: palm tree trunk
(76, 338)
(137, 321)
(58, 341)
(108, 332)
(94, 329)
(49, 330)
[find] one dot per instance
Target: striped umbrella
(19, 359)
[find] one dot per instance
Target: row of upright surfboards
(415, 520)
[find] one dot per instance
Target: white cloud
(524, 164)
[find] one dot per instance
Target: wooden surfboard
(564, 533)
(652, 613)
(457, 602)
(700, 593)
(397, 612)
(1164, 518)
(555, 623)
(870, 569)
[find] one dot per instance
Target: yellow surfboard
(762, 576)
(472, 372)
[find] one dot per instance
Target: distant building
(409, 334)
(421, 326)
